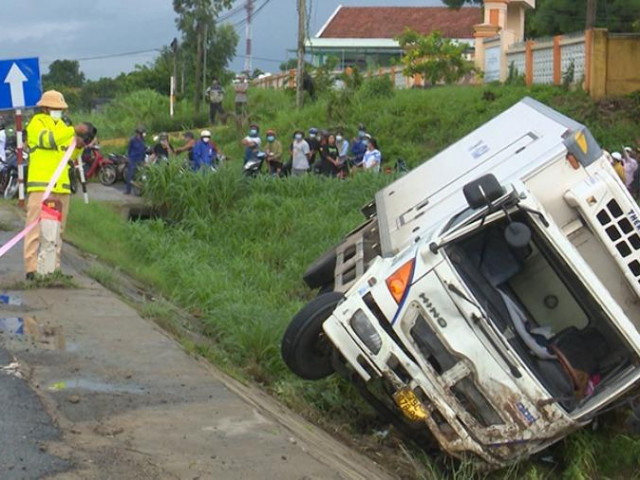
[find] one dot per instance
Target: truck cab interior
(543, 310)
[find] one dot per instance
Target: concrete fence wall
(603, 63)
(548, 60)
(288, 79)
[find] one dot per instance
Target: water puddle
(10, 299)
(95, 386)
(28, 328)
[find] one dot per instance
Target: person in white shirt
(3, 142)
(372, 156)
(300, 153)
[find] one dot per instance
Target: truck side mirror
(482, 191)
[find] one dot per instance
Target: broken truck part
(491, 297)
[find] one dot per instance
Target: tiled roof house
(364, 36)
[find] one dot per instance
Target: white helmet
(205, 133)
(617, 156)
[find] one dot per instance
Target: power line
(112, 55)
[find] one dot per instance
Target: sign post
(20, 88)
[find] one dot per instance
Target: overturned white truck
(492, 295)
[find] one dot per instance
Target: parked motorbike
(9, 173)
(119, 162)
(95, 164)
(254, 166)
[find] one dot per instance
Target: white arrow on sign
(15, 78)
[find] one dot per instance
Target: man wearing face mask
(251, 143)
(136, 152)
(204, 152)
(273, 150)
(48, 138)
(300, 153)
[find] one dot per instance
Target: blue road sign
(19, 83)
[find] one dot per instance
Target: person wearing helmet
(273, 150)
(251, 143)
(616, 162)
(136, 152)
(204, 152)
(314, 145)
(162, 148)
(48, 138)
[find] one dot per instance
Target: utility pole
(204, 67)
(174, 77)
(247, 58)
(302, 9)
(592, 8)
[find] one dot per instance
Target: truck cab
(492, 298)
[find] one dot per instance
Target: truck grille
(469, 396)
(620, 231)
(614, 219)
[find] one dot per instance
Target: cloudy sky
(99, 32)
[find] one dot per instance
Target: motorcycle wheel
(107, 175)
(11, 189)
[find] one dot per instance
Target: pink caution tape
(65, 159)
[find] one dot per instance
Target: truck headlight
(366, 332)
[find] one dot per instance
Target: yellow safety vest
(48, 139)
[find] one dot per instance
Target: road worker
(48, 138)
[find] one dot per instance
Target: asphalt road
(26, 429)
(107, 394)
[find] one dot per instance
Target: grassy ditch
(231, 252)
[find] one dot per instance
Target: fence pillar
(598, 63)
(528, 62)
(417, 80)
(557, 60)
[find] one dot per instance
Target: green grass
(57, 279)
(232, 251)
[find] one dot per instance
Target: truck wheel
(322, 271)
(305, 348)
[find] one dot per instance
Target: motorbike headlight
(366, 332)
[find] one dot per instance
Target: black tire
(321, 272)
(107, 175)
(305, 348)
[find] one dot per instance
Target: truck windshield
(542, 309)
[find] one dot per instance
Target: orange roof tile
(388, 22)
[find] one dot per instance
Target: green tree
(459, 3)
(196, 18)
(436, 58)
(554, 17)
(63, 73)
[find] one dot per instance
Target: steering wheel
(579, 379)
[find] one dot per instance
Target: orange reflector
(399, 281)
